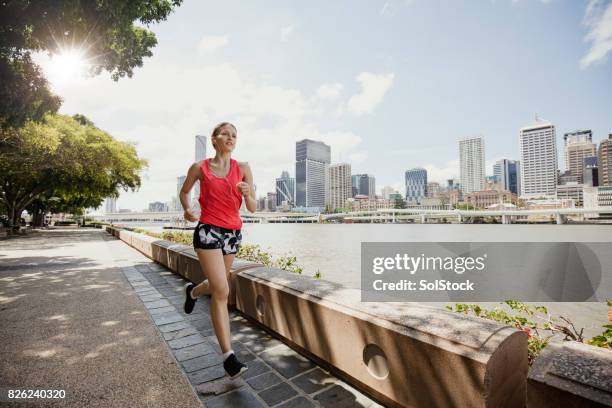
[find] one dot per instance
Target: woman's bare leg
(212, 261)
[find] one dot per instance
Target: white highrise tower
(200, 154)
(472, 164)
(538, 149)
(340, 186)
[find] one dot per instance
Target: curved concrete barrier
(406, 355)
(572, 375)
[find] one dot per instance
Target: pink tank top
(220, 199)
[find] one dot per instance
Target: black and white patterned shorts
(208, 236)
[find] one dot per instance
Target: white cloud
(441, 174)
(329, 91)
(373, 90)
(286, 32)
(163, 119)
(211, 43)
(598, 19)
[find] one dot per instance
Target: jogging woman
(223, 184)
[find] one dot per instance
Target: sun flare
(67, 65)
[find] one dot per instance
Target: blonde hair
(218, 128)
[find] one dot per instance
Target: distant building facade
(285, 190)
(539, 165)
(416, 185)
(578, 145)
(311, 173)
(340, 186)
(605, 162)
(472, 164)
(363, 184)
(509, 173)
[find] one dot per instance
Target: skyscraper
(538, 150)
(200, 154)
(578, 145)
(472, 164)
(363, 184)
(312, 159)
(179, 184)
(590, 176)
(340, 186)
(285, 190)
(416, 185)
(110, 205)
(509, 174)
(605, 162)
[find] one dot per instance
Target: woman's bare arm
(193, 176)
(248, 193)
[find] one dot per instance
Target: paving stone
(150, 297)
(201, 362)
(206, 374)
(162, 310)
(286, 361)
(190, 352)
(166, 328)
(262, 345)
(243, 398)
(277, 394)
(255, 368)
(176, 300)
(180, 333)
(263, 381)
(165, 318)
(144, 289)
(156, 303)
(202, 324)
(138, 283)
(297, 402)
(186, 341)
(196, 316)
(341, 396)
(222, 385)
(313, 381)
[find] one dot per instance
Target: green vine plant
(535, 321)
(248, 252)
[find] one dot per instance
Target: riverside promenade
(83, 312)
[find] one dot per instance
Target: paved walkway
(117, 335)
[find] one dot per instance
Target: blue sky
(389, 85)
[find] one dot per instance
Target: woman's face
(225, 141)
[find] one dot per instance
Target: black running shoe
(189, 302)
(233, 367)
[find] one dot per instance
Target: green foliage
(247, 252)
(604, 339)
(63, 166)
(525, 317)
(399, 204)
(105, 29)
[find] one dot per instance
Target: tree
(62, 164)
(399, 204)
(104, 29)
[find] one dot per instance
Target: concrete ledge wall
(402, 354)
(571, 375)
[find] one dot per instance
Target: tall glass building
(416, 185)
(363, 184)
(312, 159)
(509, 174)
(285, 190)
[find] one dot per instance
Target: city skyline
(380, 97)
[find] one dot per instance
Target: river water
(335, 249)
